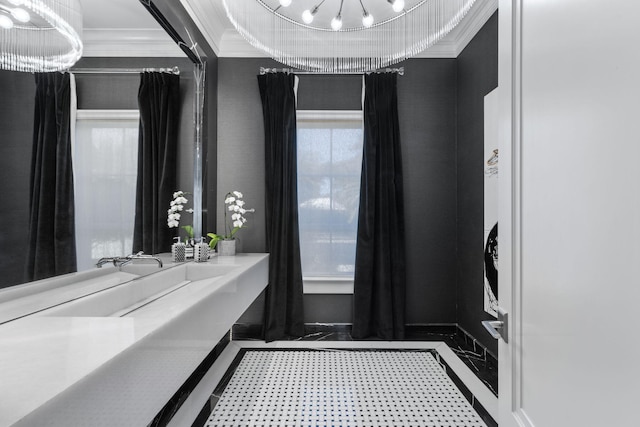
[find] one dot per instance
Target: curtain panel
(159, 104)
(52, 249)
(379, 282)
(283, 306)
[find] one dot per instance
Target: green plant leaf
(214, 240)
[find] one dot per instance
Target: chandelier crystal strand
(49, 41)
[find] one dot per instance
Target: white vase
(226, 247)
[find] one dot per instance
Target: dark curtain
(379, 282)
(283, 309)
(52, 245)
(159, 104)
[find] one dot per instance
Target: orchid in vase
(236, 207)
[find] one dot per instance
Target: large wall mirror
(121, 37)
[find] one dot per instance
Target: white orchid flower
(181, 200)
(178, 207)
(237, 224)
(240, 203)
(235, 216)
(231, 207)
(230, 199)
(242, 211)
(173, 202)
(189, 210)
(236, 208)
(238, 194)
(177, 193)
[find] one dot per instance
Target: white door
(570, 212)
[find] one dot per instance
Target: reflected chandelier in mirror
(40, 35)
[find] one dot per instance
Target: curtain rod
(171, 70)
(264, 70)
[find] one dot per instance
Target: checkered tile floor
(333, 388)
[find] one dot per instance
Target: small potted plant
(234, 206)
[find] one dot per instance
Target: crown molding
(210, 18)
(454, 43)
(226, 42)
(128, 43)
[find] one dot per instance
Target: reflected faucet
(107, 260)
(121, 261)
(141, 255)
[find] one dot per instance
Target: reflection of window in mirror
(105, 163)
(329, 167)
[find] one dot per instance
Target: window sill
(327, 285)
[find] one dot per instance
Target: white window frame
(104, 115)
(327, 284)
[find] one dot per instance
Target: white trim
(338, 115)
(108, 115)
(327, 285)
(211, 20)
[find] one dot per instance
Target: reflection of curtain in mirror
(159, 103)
(52, 249)
(105, 158)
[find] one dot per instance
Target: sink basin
(167, 322)
(142, 269)
(56, 292)
(126, 298)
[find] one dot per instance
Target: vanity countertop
(43, 356)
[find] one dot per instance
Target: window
(105, 163)
(329, 167)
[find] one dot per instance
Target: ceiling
(125, 28)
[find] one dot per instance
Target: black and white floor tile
(341, 387)
(205, 399)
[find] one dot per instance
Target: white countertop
(41, 356)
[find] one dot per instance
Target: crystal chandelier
(338, 36)
(40, 35)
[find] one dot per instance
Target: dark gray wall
(16, 134)
(427, 108)
(477, 76)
